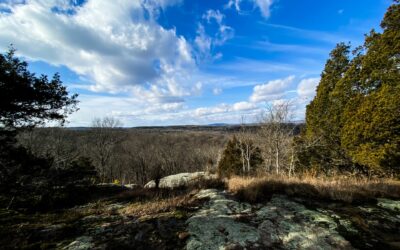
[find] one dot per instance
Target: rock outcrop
(227, 224)
(181, 180)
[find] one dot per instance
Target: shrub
(234, 161)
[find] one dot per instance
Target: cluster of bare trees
(275, 138)
(276, 133)
(248, 149)
(57, 144)
(127, 155)
(136, 156)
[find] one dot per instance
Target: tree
(28, 100)
(356, 113)
(105, 136)
(247, 149)
(233, 160)
(323, 114)
(276, 136)
(371, 119)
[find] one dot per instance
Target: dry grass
(161, 205)
(349, 190)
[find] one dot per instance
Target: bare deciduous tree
(104, 137)
(246, 145)
(276, 138)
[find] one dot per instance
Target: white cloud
(213, 15)
(221, 108)
(307, 88)
(154, 105)
(243, 106)
(271, 90)
(111, 43)
(225, 109)
(206, 43)
(131, 111)
(217, 91)
(264, 6)
(203, 41)
(235, 4)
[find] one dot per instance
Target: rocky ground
(281, 223)
(213, 219)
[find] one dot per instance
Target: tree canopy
(356, 111)
(28, 100)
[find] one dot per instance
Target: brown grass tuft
(161, 205)
(349, 190)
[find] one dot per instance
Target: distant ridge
(219, 124)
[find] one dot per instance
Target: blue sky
(165, 62)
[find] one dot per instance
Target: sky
(181, 62)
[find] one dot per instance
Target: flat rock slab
(224, 223)
(214, 226)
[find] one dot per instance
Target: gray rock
(81, 243)
(182, 179)
(293, 226)
(389, 204)
(279, 223)
(215, 227)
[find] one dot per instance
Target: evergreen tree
(323, 113)
(356, 113)
(232, 160)
(371, 130)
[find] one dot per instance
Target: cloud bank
(116, 45)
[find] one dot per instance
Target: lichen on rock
(279, 223)
(215, 227)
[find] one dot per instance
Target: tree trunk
(277, 161)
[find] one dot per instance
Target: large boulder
(181, 180)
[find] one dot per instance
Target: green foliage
(371, 132)
(323, 122)
(230, 162)
(26, 99)
(356, 112)
(234, 163)
(371, 118)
